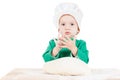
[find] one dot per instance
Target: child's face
(68, 26)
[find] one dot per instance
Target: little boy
(67, 19)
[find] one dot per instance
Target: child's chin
(69, 36)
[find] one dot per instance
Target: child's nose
(67, 26)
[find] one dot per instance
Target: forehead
(67, 17)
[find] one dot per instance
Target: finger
(63, 39)
(68, 38)
(63, 46)
(63, 42)
(59, 42)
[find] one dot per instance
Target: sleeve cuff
(54, 57)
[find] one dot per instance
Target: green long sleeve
(82, 52)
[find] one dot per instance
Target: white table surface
(39, 74)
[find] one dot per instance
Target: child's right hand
(57, 47)
(57, 42)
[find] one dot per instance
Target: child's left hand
(68, 43)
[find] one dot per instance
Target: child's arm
(78, 49)
(82, 52)
(47, 56)
(57, 48)
(55, 51)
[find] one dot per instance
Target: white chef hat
(67, 8)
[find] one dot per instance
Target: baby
(67, 19)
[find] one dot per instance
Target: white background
(26, 26)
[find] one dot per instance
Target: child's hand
(58, 43)
(66, 42)
(57, 47)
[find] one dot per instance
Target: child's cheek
(74, 32)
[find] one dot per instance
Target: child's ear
(78, 31)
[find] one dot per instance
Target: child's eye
(63, 24)
(72, 24)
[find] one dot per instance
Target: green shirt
(82, 52)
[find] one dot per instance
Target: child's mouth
(67, 33)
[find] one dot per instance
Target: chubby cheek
(61, 31)
(74, 31)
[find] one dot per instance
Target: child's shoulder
(51, 40)
(80, 41)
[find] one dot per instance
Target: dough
(67, 66)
